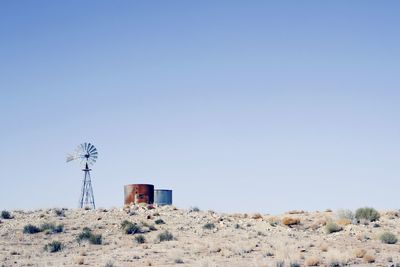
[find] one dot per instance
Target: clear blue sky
(235, 105)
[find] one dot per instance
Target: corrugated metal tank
(163, 197)
(139, 193)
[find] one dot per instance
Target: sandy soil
(236, 239)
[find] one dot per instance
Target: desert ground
(196, 238)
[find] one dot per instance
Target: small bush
(369, 214)
(345, 215)
(95, 239)
(52, 228)
(209, 226)
(388, 238)
(280, 264)
(31, 229)
(85, 235)
(294, 264)
(165, 236)
(54, 246)
(88, 235)
(6, 215)
(332, 227)
(125, 223)
(335, 263)
(178, 261)
(110, 264)
(59, 212)
(130, 228)
(194, 209)
(159, 221)
(59, 229)
(288, 221)
(47, 226)
(140, 239)
(152, 228)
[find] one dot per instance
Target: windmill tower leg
(87, 197)
(81, 199)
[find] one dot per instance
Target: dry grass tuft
(343, 222)
(360, 252)
(296, 212)
(289, 221)
(369, 258)
(332, 227)
(257, 216)
(312, 261)
(273, 221)
(324, 247)
(80, 260)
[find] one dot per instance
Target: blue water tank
(162, 197)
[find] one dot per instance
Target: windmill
(86, 153)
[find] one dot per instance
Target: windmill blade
(92, 148)
(83, 147)
(70, 158)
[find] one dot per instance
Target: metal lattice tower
(87, 154)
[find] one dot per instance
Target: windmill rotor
(86, 153)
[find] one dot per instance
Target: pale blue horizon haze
(237, 106)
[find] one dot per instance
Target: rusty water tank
(163, 197)
(139, 193)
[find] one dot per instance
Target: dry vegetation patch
(289, 221)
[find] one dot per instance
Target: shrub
(159, 221)
(194, 209)
(125, 223)
(59, 212)
(369, 214)
(47, 226)
(110, 264)
(294, 264)
(95, 239)
(209, 226)
(288, 221)
(178, 261)
(152, 228)
(332, 227)
(388, 238)
(165, 236)
(280, 264)
(31, 229)
(85, 235)
(140, 239)
(130, 228)
(54, 246)
(52, 228)
(59, 229)
(345, 215)
(335, 263)
(6, 215)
